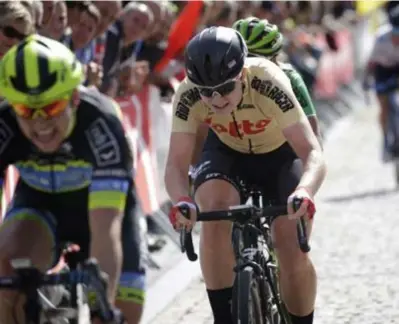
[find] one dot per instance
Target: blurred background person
(110, 11)
(75, 9)
(16, 23)
(48, 10)
(35, 9)
(56, 28)
(124, 41)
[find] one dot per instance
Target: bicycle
(82, 275)
(256, 297)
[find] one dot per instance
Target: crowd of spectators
(121, 42)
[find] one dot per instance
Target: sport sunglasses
(223, 89)
(11, 32)
(49, 111)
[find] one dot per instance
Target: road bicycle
(256, 296)
(81, 280)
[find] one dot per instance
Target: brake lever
(301, 228)
(186, 239)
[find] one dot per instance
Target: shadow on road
(362, 195)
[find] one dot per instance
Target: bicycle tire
(246, 303)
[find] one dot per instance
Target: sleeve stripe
(110, 185)
(107, 199)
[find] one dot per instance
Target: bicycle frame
(249, 252)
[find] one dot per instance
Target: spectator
(82, 42)
(110, 11)
(75, 9)
(48, 10)
(83, 32)
(154, 48)
(35, 9)
(15, 24)
(227, 15)
(57, 26)
(38, 12)
(137, 18)
(120, 44)
(157, 11)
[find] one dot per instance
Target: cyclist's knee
(286, 244)
(216, 194)
(16, 239)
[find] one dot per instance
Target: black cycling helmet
(214, 56)
(392, 10)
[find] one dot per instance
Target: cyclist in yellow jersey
(260, 136)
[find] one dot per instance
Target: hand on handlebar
(183, 214)
(307, 207)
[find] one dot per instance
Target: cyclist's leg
(386, 81)
(216, 188)
(297, 274)
(131, 289)
(25, 233)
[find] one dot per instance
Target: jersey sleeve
(301, 93)
(112, 179)
(186, 109)
(277, 96)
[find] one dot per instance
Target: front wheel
(246, 304)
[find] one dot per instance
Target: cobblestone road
(355, 244)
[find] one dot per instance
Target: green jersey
(300, 90)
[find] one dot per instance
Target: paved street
(355, 244)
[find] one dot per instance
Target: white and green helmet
(262, 38)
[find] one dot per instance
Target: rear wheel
(246, 304)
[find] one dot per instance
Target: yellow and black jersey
(268, 106)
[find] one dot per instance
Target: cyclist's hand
(307, 207)
(94, 74)
(177, 218)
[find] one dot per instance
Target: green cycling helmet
(39, 71)
(262, 38)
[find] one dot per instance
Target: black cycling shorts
(276, 173)
(66, 217)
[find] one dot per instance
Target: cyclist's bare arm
(180, 155)
(314, 123)
(299, 134)
(305, 144)
(185, 124)
(111, 187)
(106, 245)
